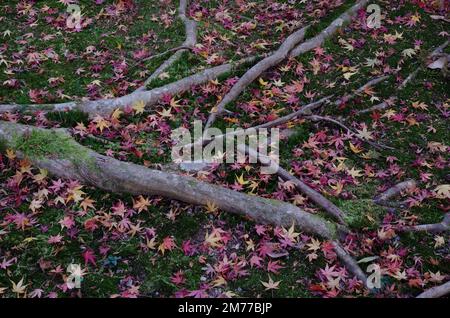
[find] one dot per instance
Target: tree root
(313, 195)
(112, 175)
(253, 73)
(190, 27)
(436, 292)
(444, 226)
(348, 261)
(319, 39)
(123, 177)
(105, 107)
(338, 123)
(394, 191)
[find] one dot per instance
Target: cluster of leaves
(148, 246)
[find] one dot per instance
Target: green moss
(68, 119)
(3, 145)
(361, 213)
(40, 144)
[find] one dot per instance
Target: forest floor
(138, 246)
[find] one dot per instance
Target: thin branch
(253, 73)
(338, 123)
(360, 90)
(329, 31)
(313, 195)
(395, 191)
(190, 27)
(443, 226)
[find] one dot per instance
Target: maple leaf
(19, 288)
(355, 149)
(211, 207)
(87, 203)
(213, 239)
(75, 195)
(314, 245)
(436, 277)
(241, 180)
(89, 257)
(271, 284)
(139, 107)
(141, 204)
(219, 281)
(364, 133)
(168, 243)
(101, 123)
(178, 278)
(346, 45)
(355, 173)
(408, 52)
(273, 266)
(116, 114)
(439, 241)
(419, 105)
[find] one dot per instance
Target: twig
(338, 123)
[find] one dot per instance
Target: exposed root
(348, 261)
(313, 195)
(105, 107)
(338, 123)
(190, 27)
(436, 292)
(444, 226)
(304, 110)
(395, 191)
(360, 90)
(123, 177)
(253, 73)
(319, 39)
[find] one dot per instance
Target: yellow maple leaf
(116, 114)
(139, 107)
(211, 207)
(241, 180)
(10, 154)
(262, 82)
(355, 149)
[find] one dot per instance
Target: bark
(190, 27)
(444, 226)
(116, 176)
(253, 73)
(313, 195)
(395, 191)
(105, 107)
(348, 261)
(329, 31)
(436, 292)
